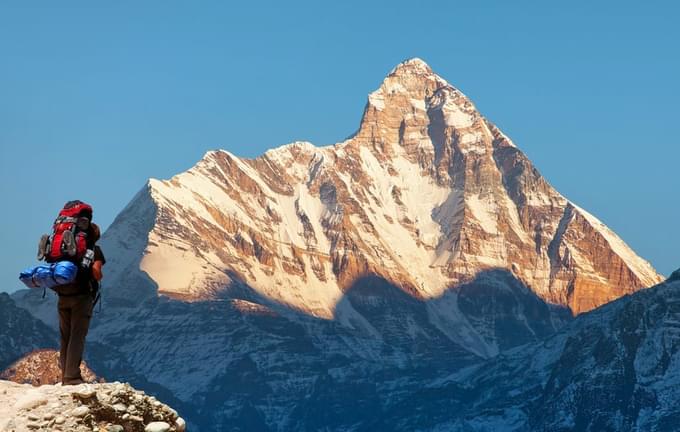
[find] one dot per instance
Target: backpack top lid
(76, 208)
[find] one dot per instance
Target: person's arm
(97, 270)
(99, 261)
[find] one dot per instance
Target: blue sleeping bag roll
(49, 276)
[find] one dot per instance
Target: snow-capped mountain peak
(427, 194)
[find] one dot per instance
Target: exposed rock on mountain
(86, 407)
(41, 367)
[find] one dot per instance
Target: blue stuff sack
(65, 272)
(26, 277)
(49, 276)
(43, 277)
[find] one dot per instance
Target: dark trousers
(74, 320)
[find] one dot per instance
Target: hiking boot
(43, 248)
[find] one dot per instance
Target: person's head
(84, 219)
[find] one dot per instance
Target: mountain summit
(426, 194)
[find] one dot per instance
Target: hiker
(76, 303)
(73, 271)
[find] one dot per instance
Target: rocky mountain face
(20, 332)
(314, 288)
(426, 194)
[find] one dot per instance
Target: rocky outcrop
(41, 367)
(113, 407)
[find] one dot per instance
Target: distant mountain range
(21, 333)
(392, 280)
(614, 369)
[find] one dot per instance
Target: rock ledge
(110, 407)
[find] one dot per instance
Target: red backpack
(68, 241)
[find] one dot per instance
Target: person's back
(76, 303)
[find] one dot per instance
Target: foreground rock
(86, 407)
(41, 367)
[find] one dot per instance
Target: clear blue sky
(96, 97)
